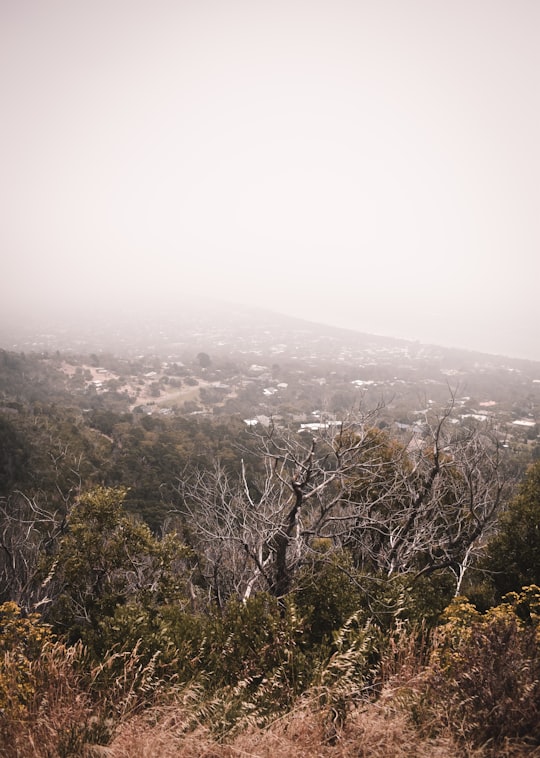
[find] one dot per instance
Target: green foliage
(13, 455)
(21, 641)
(107, 559)
(250, 640)
(484, 673)
(331, 589)
(326, 596)
(250, 656)
(24, 635)
(514, 553)
(427, 596)
(350, 671)
(173, 637)
(257, 661)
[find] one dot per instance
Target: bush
(251, 640)
(172, 636)
(326, 597)
(513, 555)
(484, 676)
(21, 642)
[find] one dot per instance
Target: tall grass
(469, 689)
(69, 704)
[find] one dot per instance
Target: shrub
(484, 676)
(325, 596)
(250, 640)
(21, 642)
(174, 637)
(513, 554)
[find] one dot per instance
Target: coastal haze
(368, 165)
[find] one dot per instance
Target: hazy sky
(372, 164)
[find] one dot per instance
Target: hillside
(254, 363)
(239, 532)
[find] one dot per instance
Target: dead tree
(445, 497)
(29, 532)
(398, 508)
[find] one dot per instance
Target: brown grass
(371, 730)
(66, 704)
(117, 710)
(399, 724)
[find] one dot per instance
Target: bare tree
(398, 508)
(29, 532)
(450, 488)
(30, 527)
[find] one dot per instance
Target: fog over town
(368, 165)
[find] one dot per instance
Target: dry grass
(66, 725)
(117, 710)
(67, 704)
(399, 724)
(370, 730)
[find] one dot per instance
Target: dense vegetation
(186, 585)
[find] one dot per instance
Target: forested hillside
(269, 547)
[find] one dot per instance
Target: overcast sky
(373, 164)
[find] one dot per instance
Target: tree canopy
(513, 555)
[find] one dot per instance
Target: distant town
(267, 368)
